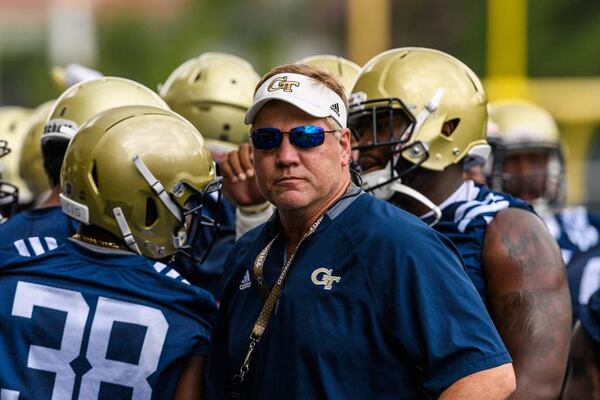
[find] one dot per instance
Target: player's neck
(53, 198)
(436, 186)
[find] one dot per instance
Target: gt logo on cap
(282, 83)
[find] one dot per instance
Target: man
(13, 120)
(31, 163)
(340, 295)
(240, 185)
(75, 106)
(9, 193)
(417, 114)
(94, 318)
(213, 92)
(530, 165)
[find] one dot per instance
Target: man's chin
(290, 200)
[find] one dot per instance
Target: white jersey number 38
(104, 370)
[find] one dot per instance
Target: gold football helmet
(345, 70)
(86, 99)
(419, 106)
(31, 164)
(13, 189)
(138, 172)
(213, 92)
(529, 154)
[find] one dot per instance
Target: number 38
(107, 312)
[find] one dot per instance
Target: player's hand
(239, 182)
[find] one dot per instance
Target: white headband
(307, 94)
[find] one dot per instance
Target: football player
(99, 317)
(13, 121)
(76, 105)
(31, 163)
(9, 193)
(213, 92)
(531, 166)
(416, 114)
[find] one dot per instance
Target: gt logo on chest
(324, 277)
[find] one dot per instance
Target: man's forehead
(281, 111)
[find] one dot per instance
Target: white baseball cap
(309, 95)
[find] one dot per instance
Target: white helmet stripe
(158, 188)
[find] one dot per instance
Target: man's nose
(287, 153)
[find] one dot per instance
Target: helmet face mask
(201, 226)
(9, 199)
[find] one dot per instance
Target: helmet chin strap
(375, 183)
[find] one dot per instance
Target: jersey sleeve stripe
(158, 266)
(22, 249)
(6, 394)
(51, 243)
(173, 274)
(481, 210)
(36, 245)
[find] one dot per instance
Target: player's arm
(529, 301)
(583, 377)
(490, 384)
(190, 381)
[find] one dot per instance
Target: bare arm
(529, 301)
(190, 381)
(490, 384)
(583, 377)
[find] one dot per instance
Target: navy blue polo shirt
(376, 305)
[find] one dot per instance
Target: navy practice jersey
(49, 222)
(575, 229)
(590, 317)
(83, 322)
(207, 275)
(375, 306)
(465, 217)
(584, 279)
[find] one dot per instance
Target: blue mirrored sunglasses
(304, 137)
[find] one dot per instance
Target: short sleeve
(433, 310)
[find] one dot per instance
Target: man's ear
(345, 146)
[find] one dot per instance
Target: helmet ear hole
(450, 126)
(151, 212)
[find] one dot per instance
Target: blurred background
(547, 51)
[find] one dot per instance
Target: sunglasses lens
(307, 136)
(266, 138)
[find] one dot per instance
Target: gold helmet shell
(86, 99)
(13, 122)
(344, 70)
(31, 164)
(436, 89)
(213, 92)
(117, 166)
(522, 124)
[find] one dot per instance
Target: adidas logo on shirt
(335, 108)
(246, 282)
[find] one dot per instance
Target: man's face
(524, 174)
(389, 127)
(294, 178)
